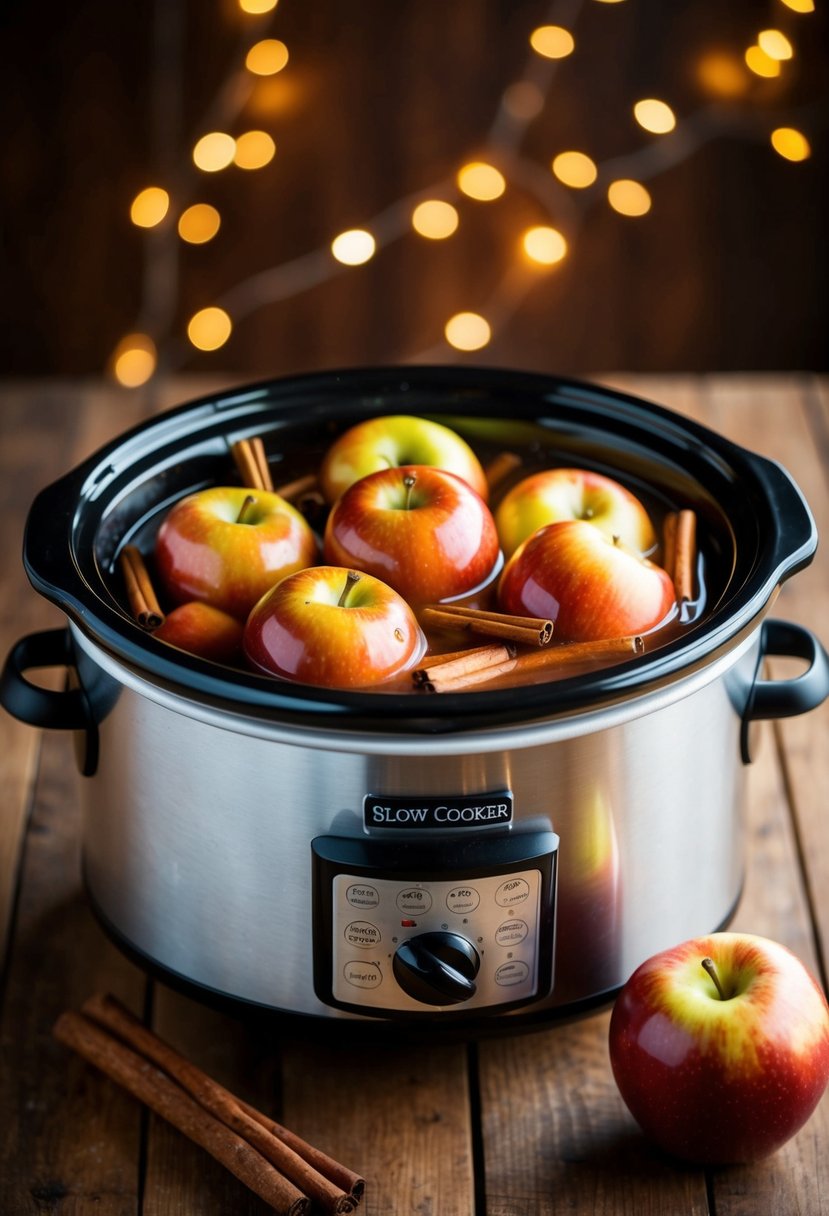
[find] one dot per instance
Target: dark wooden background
(382, 98)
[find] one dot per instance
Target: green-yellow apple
(590, 587)
(560, 494)
(201, 629)
(334, 627)
(422, 530)
(720, 1047)
(393, 440)
(228, 545)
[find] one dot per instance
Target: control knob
(437, 968)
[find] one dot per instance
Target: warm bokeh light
(209, 328)
(655, 116)
(353, 247)
(481, 181)
(790, 143)
(435, 219)
(800, 6)
(609, 1)
(628, 197)
(775, 44)
(552, 41)
(199, 223)
(254, 149)
(544, 245)
(467, 331)
(760, 63)
(722, 74)
(257, 6)
(523, 100)
(267, 57)
(134, 360)
(214, 151)
(575, 169)
(149, 207)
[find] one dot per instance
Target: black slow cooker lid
(755, 525)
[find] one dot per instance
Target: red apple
(335, 627)
(589, 586)
(228, 545)
(422, 530)
(203, 630)
(721, 1077)
(392, 441)
(560, 494)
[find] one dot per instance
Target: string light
(775, 44)
(552, 41)
(254, 150)
(435, 219)
(256, 7)
(544, 245)
(722, 74)
(209, 328)
(199, 223)
(353, 247)
(214, 151)
(134, 360)
(467, 331)
(481, 181)
(655, 116)
(267, 57)
(628, 197)
(149, 207)
(790, 143)
(575, 169)
(800, 6)
(760, 63)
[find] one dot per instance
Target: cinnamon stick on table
(531, 630)
(142, 599)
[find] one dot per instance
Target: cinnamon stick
(685, 555)
(142, 598)
(250, 459)
(462, 662)
(563, 656)
(533, 631)
(260, 456)
(167, 1099)
(298, 487)
(106, 1011)
(500, 467)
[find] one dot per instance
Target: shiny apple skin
(553, 495)
(300, 631)
(394, 440)
(203, 630)
(434, 543)
(202, 553)
(721, 1082)
(589, 587)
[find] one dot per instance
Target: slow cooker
(479, 859)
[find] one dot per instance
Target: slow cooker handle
(66, 710)
(786, 698)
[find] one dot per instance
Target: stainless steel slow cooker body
(484, 858)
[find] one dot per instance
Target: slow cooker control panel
(453, 927)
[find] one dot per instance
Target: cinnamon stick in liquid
(142, 598)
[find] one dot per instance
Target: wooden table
(525, 1126)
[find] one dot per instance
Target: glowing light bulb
(544, 245)
(760, 63)
(655, 116)
(775, 44)
(254, 149)
(214, 151)
(575, 169)
(800, 6)
(628, 197)
(353, 247)
(134, 360)
(267, 57)
(199, 223)
(257, 6)
(209, 328)
(435, 219)
(722, 74)
(523, 100)
(609, 1)
(149, 207)
(791, 144)
(552, 41)
(481, 181)
(467, 331)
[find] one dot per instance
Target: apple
(201, 629)
(559, 494)
(422, 530)
(335, 627)
(720, 1047)
(394, 440)
(590, 587)
(228, 545)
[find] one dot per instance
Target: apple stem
(617, 540)
(409, 481)
(350, 579)
(246, 505)
(709, 965)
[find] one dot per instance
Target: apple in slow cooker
(202, 630)
(228, 545)
(554, 495)
(394, 440)
(591, 587)
(422, 530)
(333, 627)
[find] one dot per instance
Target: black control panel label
(458, 811)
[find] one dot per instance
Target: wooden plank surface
(516, 1127)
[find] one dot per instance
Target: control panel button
(462, 900)
(362, 896)
(513, 891)
(513, 972)
(362, 975)
(414, 901)
(511, 932)
(362, 933)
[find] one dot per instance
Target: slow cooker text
(440, 814)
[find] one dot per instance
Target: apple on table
(335, 627)
(720, 1047)
(591, 587)
(422, 530)
(394, 440)
(227, 545)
